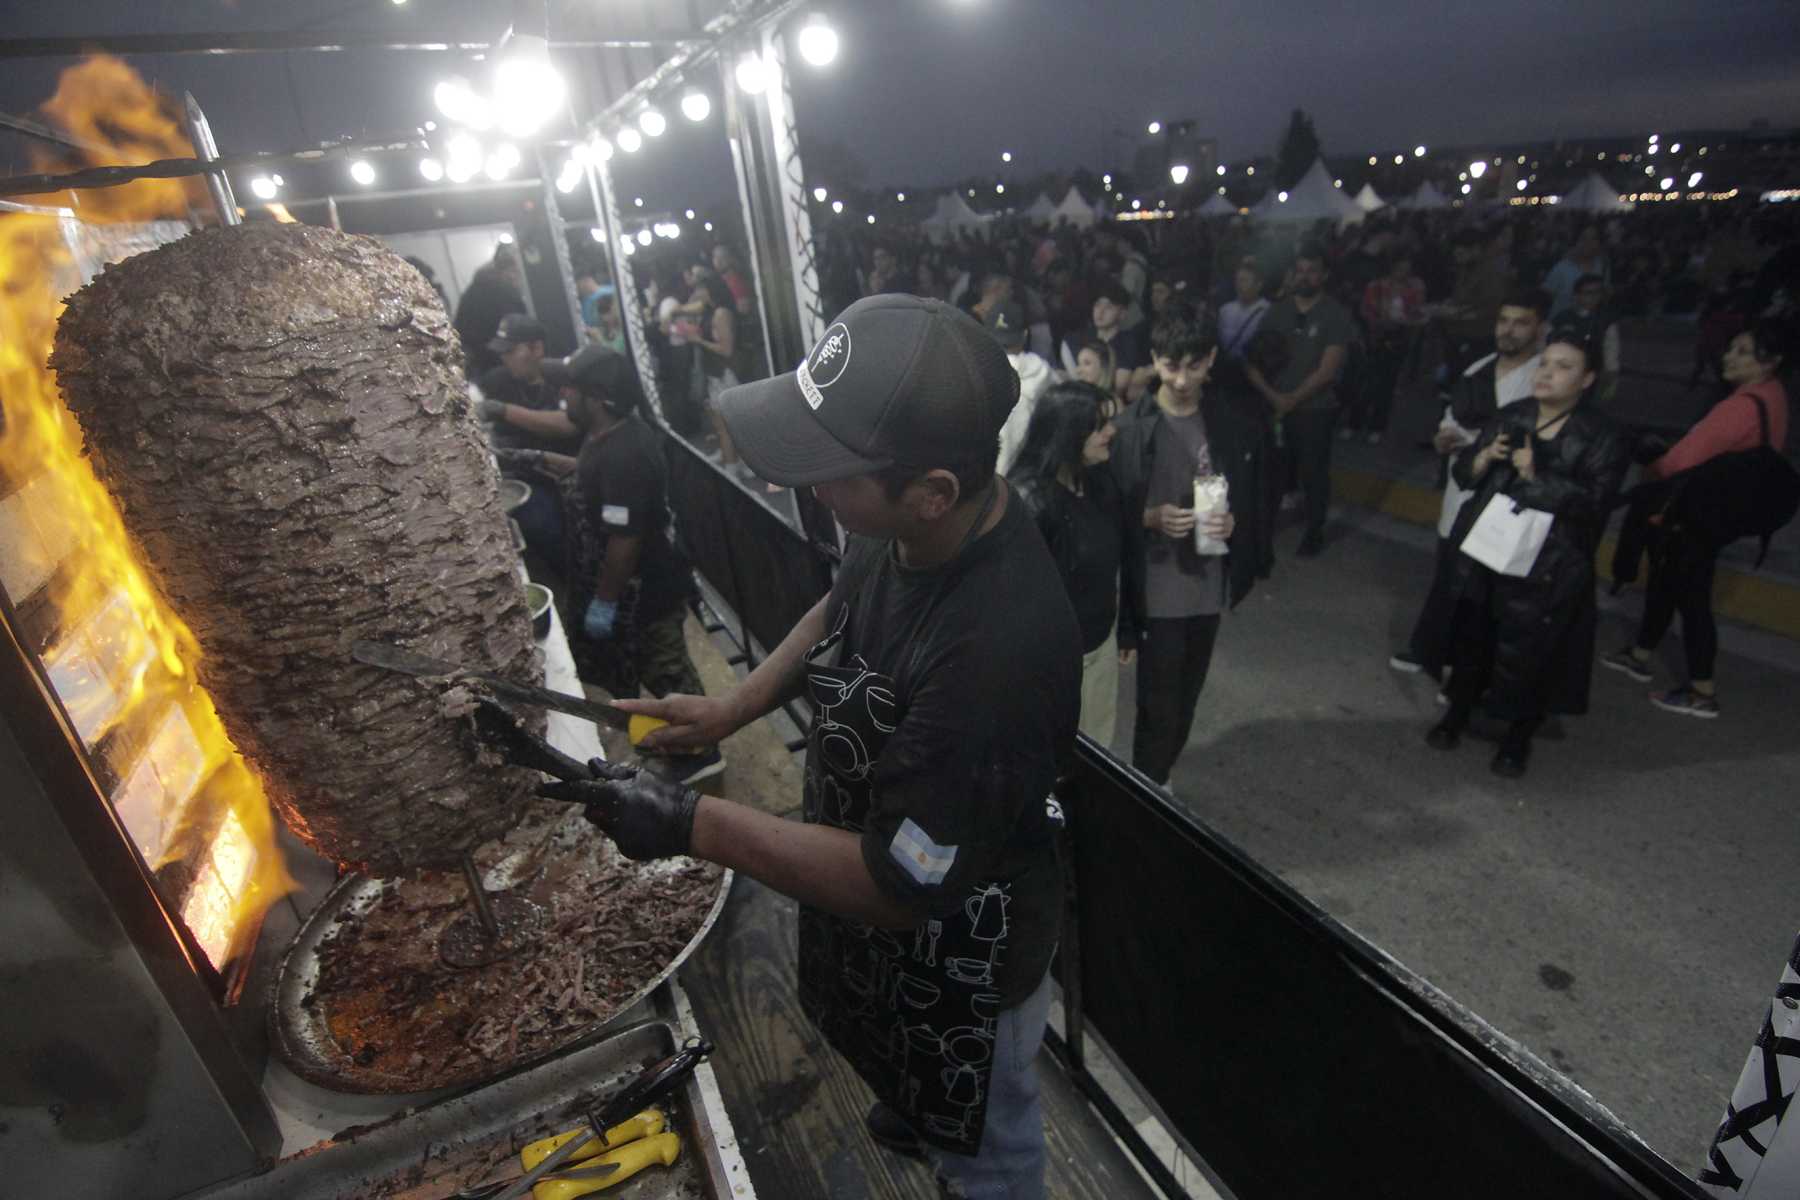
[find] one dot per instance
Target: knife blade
(408, 662)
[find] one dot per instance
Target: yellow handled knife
(646, 1123)
(610, 1169)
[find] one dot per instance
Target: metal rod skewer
(484, 908)
(207, 150)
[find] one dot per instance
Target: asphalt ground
(1624, 910)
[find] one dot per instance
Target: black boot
(889, 1128)
(1515, 750)
(1447, 733)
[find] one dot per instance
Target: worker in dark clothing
(496, 290)
(524, 412)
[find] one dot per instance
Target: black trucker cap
(1007, 323)
(895, 380)
(516, 328)
(599, 372)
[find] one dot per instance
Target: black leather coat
(1236, 450)
(1546, 621)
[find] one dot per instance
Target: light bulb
(818, 43)
(362, 172)
(1178, 174)
(750, 74)
(630, 140)
(431, 169)
(262, 187)
(652, 122)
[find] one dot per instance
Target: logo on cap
(825, 365)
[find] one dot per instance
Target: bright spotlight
(528, 89)
(690, 214)
(1178, 174)
(1694, 179)
(696, 106)
(262, 187)
(460, 105)
(900, 196)
(1154, 128)
(1478, 168)
(637, 202)
(751, 75)
(569, 177)
(820, 194)
(837, 206)
(495, 168)
(630, 140)
(1220, 169)
(600, 150)
(999, 189)
(1281, 197)
(1520, 185)
(1667, 183)
(461, 172)
(431, 169)
(652, 122)
(708, 227)
(362, 172)
(871, 218)
(1418, 152)
(644, 237)
(507, 153)
(597, 233)
(1006, 156)
(818, 42)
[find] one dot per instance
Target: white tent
(1367, 200)
(1075, 210)
(1218, 206)
(1041, 209)
(1313, 198)
(1426, 197)
(1594, 194)
(953, 215)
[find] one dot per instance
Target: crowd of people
(1153, 354)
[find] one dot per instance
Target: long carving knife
(408, 662)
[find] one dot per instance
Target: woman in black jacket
(1524, 646)
(1061, 477)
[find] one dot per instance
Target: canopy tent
(1074, 210)
(1426, 197)
(1041, 209)
(1313, 198)
(1367, 200)
(953, 215)
(1594, 194)
(1218, 206)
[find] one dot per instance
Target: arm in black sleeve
(1585, 496)
(1462, 467)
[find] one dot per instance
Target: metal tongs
(501, 730)
(651, 1084)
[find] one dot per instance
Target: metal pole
(606, 203)
(741, 136)
(484, 908)
(207, 150)
(559, 242)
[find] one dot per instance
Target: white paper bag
(1212, 497)
(1507, 538)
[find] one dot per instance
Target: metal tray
(304, 1041)
(431, 1154)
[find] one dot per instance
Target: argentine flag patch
(925, 860)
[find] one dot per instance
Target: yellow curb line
(1739, 595)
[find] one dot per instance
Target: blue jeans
(1010, 1165)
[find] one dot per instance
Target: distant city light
(637, 202)
(1520, 185)
(690, 214)
(1337, 183)
(1398, 159)
(1221, 169)
(1675, 149)
(1281, 196)
(1371, 160)
(1467, 188)
(1137, 204)
(1106, 179)
(900, 196)
(871, 218)
(999, 189)
(1155, 128)
(1006, 156)
(1694, 179)
(1178, 174)
(820, 194)
(1478, 168)
(1249, 170)
(837, 206)
(708, 227)
(1418, 152)
(1667, 183)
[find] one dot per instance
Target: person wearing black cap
(944, 671)
(523, 412)
(628, 584)
(494, 292)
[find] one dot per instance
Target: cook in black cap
(944, 672)
(628, 584)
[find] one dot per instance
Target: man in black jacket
(1173, 594)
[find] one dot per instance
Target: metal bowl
(514, 493)
(539, 598)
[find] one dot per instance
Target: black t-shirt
(1130, 347)
(502, 385)
(1086, 540)
(624, 487)
(984, 655)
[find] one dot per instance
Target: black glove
(491, 411)
(646, 815)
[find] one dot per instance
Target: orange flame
(121, 660)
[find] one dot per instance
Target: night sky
(927, 91)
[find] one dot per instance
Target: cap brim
(775, 431)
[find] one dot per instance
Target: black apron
(914, 1013)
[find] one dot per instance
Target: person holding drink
(1177, 442)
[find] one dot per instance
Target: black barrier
(1295, 1057)
(765, 569)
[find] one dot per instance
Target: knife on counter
(408, 662)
